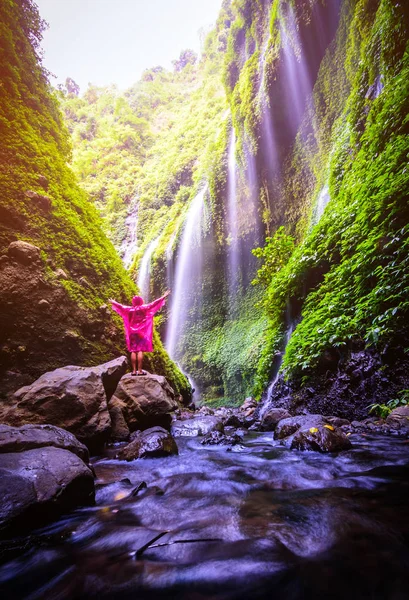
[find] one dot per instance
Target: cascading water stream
(291, 324)
(267, 125)
(322, 201)
(232, 221)
(144, 274)
(169, 260)
(188, 265)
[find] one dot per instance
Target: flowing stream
(259, 521)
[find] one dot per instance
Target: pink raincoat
(138, 323)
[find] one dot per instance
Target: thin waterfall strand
(192, 233)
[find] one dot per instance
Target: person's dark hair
(137, 301)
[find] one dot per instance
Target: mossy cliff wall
(316, 94)
(53, 289)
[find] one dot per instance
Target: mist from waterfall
(267, 126)
(295, 69)
(144, 274)
(188, 267)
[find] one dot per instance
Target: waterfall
(233, 250)
(129, 243)
(169, 259)
(144, 274)
(267, 125)
(322, 201)
(291, 323)
(188, 266)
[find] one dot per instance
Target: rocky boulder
(288, 426)
(399, 418)
(272, 417)
(323, 438)
(144, 401)
(23, 252)
(248, 407)
(196, 426)
(151, 443)
(30, 437)
(43, 472)
(119, 428)
(217, 438)
(74, 398)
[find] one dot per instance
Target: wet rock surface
(144, 401)
(216, 438)
(74, 398)
(399, 418)
(37, 485)
(272, 417)
(344, 386)
(196, 426)
(151, 443)
(324, 438)
(288, 426)
(30, 437)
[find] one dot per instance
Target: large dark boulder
(196, 426)
(30, 437)
(272, 417)
(323, 438)
(145, 401)
(151, 443)
(74, 398)
(37, 485)
(287, 427)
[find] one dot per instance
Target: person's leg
(133, 361)
(140, 359)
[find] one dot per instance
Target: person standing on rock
(138, 324)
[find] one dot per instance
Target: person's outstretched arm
(121, 309)
(157, 304)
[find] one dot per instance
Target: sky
(114, 41)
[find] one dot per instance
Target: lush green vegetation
(344, 280)
(359, 249)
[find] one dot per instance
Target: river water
(258, 521)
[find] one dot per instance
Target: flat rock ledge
(44, 471)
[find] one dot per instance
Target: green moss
(34, 142)
(359, 248)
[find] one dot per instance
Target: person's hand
(111, 300)
(166, 293)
